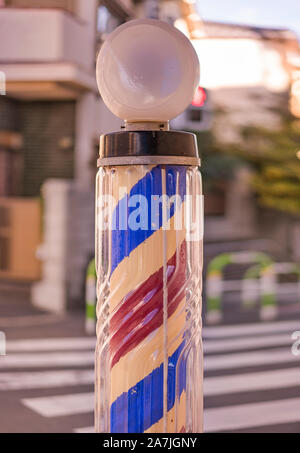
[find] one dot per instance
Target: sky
(268, 13)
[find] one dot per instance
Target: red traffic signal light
(199, 98)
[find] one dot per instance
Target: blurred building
(249, 76)
(50, 122)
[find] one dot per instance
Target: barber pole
(149, 236)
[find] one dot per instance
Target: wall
(236, 108)
(68, 5)
(240, 62)
(40, 35)
(240, 218)
(68, 244)
(283, 229)
(20, 235)
(80, 243)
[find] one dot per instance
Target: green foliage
(270, 153)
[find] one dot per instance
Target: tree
(274, 157)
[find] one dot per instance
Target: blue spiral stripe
(141, 407)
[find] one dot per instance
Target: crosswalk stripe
(250, 382)
(59, 406)
(250, 329)
(257, 358)
(212, 386)
(49, 344)
(85, 358)
(45, 379)
(232, 418)
(247, 343)
(58, 344)
(51, 359)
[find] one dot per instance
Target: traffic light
(197, 112)
(199, 98)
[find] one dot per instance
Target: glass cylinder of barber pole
(149, 233)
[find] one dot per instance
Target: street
(46, 381)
